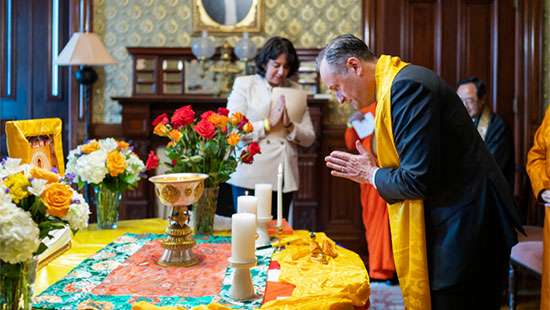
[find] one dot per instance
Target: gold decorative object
(179, 190)
(227, 69)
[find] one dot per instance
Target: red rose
(246, 157)
(206, 129)
(152, 161)
(243, 122)
(183, 117)
(174, 162)
(206, 114)
(253, 148)
(163, 118)
(223, 111)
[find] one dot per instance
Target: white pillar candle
(280, 196)
(243, 237)
(263, 193)
(247, 204)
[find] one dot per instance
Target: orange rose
(236, 118)
(92, 146)
(39, 173)
(175, 135)
(116, 164)
(57, 199)
(233, 139)
(218, 120)
(122, 145)
(161, 130)
(248, 128)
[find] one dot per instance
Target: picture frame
(37, 142)
(212, 16)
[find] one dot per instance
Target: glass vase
(205, 210)
(107, 207)
(16, 284)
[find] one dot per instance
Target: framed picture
(37, 142)
(228, 16)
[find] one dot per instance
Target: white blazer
(251, 95)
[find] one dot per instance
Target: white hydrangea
(91, 168)
(135, 165)
(5, 197)
(37, 186)
(79, 212)
(108, 144)
(71, 161)
(10, 166)
(18, 234)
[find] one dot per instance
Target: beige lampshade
(85, 48)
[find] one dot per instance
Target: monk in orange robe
(375, 212)
(538, 168)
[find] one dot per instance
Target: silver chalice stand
(179, 190)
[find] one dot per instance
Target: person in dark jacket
(452, 216)
(491, 127)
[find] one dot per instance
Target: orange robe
(375, 216)
(538, 168)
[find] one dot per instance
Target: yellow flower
(233, 139)
(248, 128)
(17, 183)
(175, 135)
(170, 144)
(236, 118)
(39, 173)
(57, 199)
(116, 164)
(92, 146)
(161, 130)
(122, 145)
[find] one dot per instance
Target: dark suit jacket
(468, 204)
(500, 143)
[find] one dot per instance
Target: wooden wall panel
(420, 39)
(475, 42)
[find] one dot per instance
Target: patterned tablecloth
(125, 271)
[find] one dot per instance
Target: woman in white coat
(278, 137)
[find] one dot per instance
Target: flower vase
(107, 207)
(205, 210)
(16, 284)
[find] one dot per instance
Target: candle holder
(241, 282)
(179, 190)
(263, 235)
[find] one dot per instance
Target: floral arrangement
(34, 202)
(211, 144)
(105, 162)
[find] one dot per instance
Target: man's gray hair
(339, 49)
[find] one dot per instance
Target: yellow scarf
(406, 217)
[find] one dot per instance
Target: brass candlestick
(179, 190)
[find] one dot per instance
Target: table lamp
(85, 49)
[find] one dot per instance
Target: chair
(526, 255)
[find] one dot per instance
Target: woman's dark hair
(274, 47)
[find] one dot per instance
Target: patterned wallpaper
(121, 23)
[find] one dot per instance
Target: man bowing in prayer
(452, 215)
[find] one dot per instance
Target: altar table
(87, 242)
